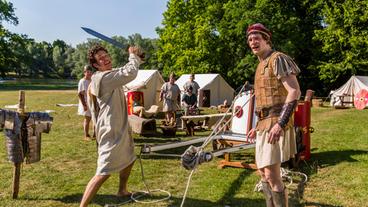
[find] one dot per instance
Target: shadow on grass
(330, 158)
(97, 199)
(307, 204)
(112, 200)
(156, 140)
(174, 153)
(228, 197)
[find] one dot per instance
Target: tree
(208, 36)
(344, 40)
(79, 57)
(6, 56)
(149, 46)
(7, 12)
(42, 64)
(61, 55)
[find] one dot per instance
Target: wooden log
(16, 178)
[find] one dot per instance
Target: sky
(49, 20)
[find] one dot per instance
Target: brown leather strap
(267, 112)
(287, 111)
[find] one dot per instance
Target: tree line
(327, 38)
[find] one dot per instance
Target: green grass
(337, 169)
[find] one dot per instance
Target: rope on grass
(147, 191)
(136, 195)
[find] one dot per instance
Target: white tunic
(171, 94)
(269, 154)
(83, 86)
(115, 143)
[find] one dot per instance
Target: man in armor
(276, 91)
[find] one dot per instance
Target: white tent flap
(344, 96)
(211, 84)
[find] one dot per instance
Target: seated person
(138, 109)
(223, 107)
(189, 102)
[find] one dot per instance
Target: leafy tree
(7, 12)
(61, 55)
(21, 58)
(42, 60)
(189, 39)
(6, 38)
(149, 46)
(208, 36)
(79, 57)
(344, 40)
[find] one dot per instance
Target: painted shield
(361, 99)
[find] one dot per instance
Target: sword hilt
(141, 55)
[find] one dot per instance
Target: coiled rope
(136, 195)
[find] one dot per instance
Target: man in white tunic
(109, 113)
(277, 91)
(83, 109)
(170, 94)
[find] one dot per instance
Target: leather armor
(270, 94)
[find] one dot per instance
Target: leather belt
(268, 112)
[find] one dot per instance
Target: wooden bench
(190, 122)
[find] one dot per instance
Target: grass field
(337, 170)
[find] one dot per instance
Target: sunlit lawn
(337, 170)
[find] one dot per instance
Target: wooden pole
(16, 172)
(16, 178)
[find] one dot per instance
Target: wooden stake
(16, 172)
(16, 178)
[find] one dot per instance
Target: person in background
(170, 94)
(189, 102)
(277, 92)
(193, 84)
(109, 111)
(83, 109)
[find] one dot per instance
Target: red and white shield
(361, 99)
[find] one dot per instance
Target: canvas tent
(344, 96)
(212, 86)
(149, 82)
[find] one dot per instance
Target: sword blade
(104, 38)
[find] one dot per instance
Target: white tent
(344, 96)
(212, 86)
(149, 82)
